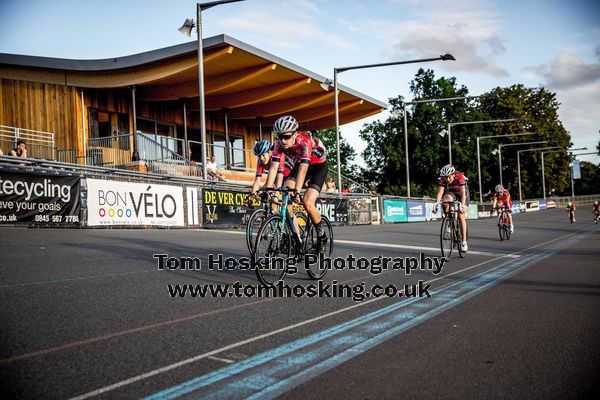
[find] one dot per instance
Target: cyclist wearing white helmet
(596, 211)
(502, 198)
(453, 187)
(310, 163)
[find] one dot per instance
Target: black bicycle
(503, 224)
(278, 239)
(449, 235)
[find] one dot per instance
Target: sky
(553, 44)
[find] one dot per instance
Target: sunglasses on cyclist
(285, 136)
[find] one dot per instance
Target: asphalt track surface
(87, 314)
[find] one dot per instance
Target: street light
(186, 29)
(445, 57)
(479, 158)
(519, 164)
(443, 132)
(397, 114)
(543, 167)
(501, 145)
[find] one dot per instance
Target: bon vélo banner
(39, 198)
(127, 203)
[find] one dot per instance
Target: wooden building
(246, 90)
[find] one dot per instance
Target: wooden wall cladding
(44, 107)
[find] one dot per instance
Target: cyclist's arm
(494, 202)
(279, 179)
(439, 195)
(272, 173)
(463, 198)
(256, 184)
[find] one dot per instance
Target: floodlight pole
(479, 157)
(199, 7)
(444, 57)
(406, 128)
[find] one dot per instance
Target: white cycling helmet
(499, 188)
(285, 124)
(447, 170)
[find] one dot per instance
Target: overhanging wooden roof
(247, 81)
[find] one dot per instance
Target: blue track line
(276, 371)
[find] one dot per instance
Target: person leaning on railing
(19, 151)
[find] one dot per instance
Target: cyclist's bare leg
(446, 207)
(310, 196)
(462, 218)
(290, 208)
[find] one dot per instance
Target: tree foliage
(428, 151)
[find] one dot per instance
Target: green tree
(539, 110)
(347, 152)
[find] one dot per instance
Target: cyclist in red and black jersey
(310, 163)
(502, 198)
(596, 211)
(453, 187)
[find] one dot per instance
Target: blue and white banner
(416, 211)
(576, 170)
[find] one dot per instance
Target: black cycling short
(316, 174)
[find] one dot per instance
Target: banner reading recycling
(39, 198)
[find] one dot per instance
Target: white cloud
(292, 24)
(567, 70)
(468, 30)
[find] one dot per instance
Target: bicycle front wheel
(271, 251)
(252, 227)
(446, 238)
(316, 270)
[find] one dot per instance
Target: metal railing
(114, 151)
(39, 144)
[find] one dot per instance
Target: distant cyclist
(453, 187)
(310, 163)
(502, 198)
(571, 210)
(596, 211)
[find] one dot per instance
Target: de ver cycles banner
(31, 197)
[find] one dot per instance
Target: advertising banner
(416, 211)
(472, 211)
(193, 207)
(532, 206)
(550, 204)
(576, 170)
(39, 198)
(394, 211)
(112, 203)
(516, 207)
(484, 210)
(225, 207)
(335, 209)
(429, 215)
(543, 205)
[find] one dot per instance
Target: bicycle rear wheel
(446, 238)
(272, 249)
(252, 227)
(316, 270)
